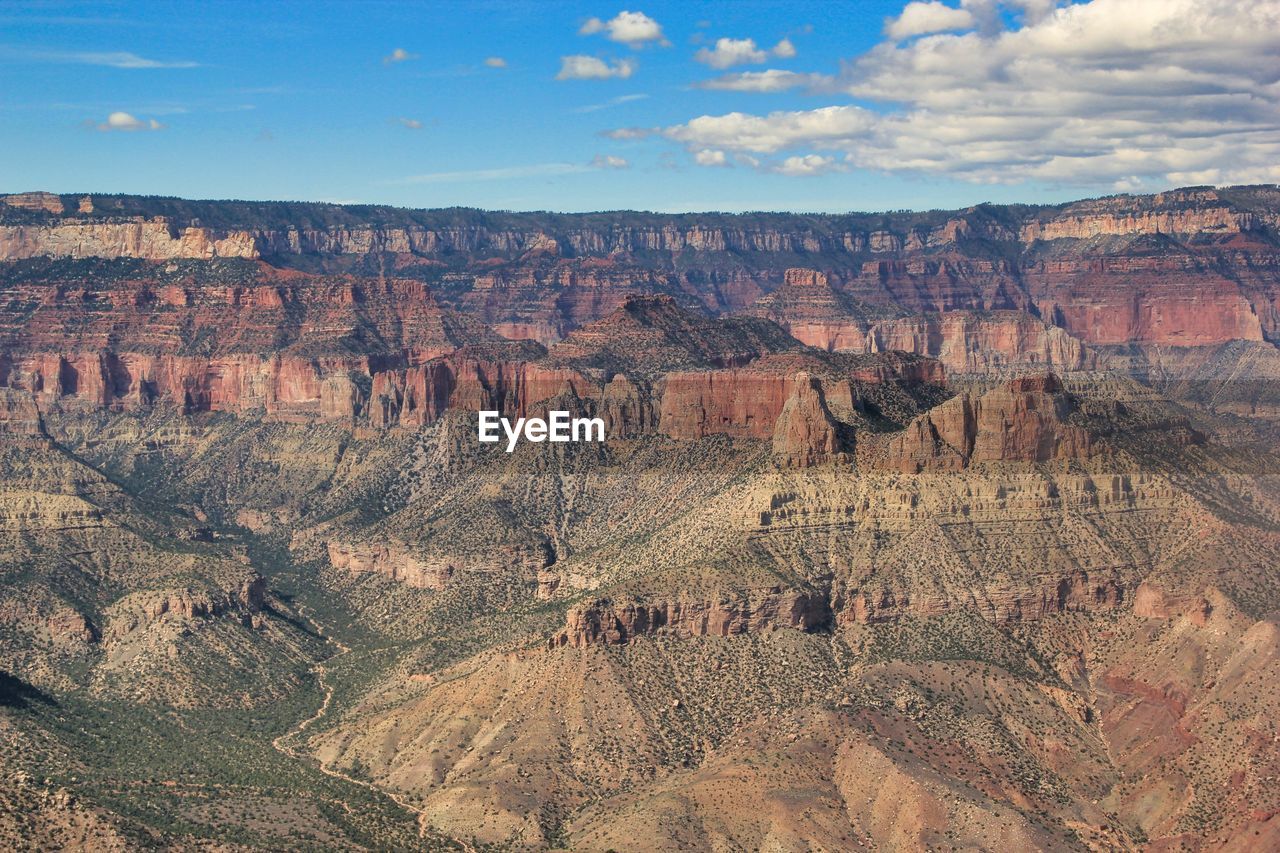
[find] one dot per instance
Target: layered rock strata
(1021, 421)
(738, 612)
(1105, 270)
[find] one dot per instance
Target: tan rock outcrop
(154, 239)
(391, 560)
(609, 622)
(1151, 601)
(48, 202)
(420, 395)
(799, 277)
(19, 416)
(968, 342)
(1033, 599)
(141, 609)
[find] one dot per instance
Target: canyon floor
(937, 531)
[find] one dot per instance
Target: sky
(663, 106)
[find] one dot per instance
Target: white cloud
(829, 126)
(109, 59)
(411, 123)
(581, 67)
(609, 161)
(630, 28)
(1154, 91)
(921, 18)
(710, 157)
(769, 80)
(784, 49)
(495, 62)
(129, 123)
(398, 55)
(730, 52)
(807, 164)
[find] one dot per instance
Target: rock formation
(1108, 270)
(1022, 421)
(805, 433)
(391, 560)
(919, 530)
(740, 612)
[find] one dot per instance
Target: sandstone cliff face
(805, 433)
(139, 610)
(1031, 599)
(1177, 212)
(1173, 299)
(743, 402)
(151, 239)
(280, 386)
(1151, 601)
(739, 612)
(964, 341)
(47, 202)
(537, 277)
(1005, 543)
(297, 347)
(982, 343)
(807, 278)
(787, 398)
(420, 395)
(19, 416)
(391, 560)
(1021, 421)
(384, 354)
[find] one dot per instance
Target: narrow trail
(321, 669)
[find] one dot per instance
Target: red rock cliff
(1021, 421)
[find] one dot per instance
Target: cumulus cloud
(581, 67)
(1135, 91)
(410, 123)
(609, 161)
(398, 55)
(730, 52)
(635, 29)
(495, 62)
(921, 18)
(807, 164)
(770, 80)
(769, 134)
(128, 123)
(710, 157)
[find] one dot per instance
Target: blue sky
(827, 107)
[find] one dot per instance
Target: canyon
(908, 529)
